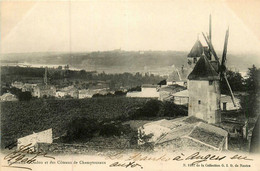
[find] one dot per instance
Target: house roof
(184, 93)
(203, 70)
(7, 95)
(228, 99)
(70, 88)
(172, 88)
(196, 50)
(208, 134)
(201, 132)
(149, 86)
(190, 128)
(45, 87)
(84, 91)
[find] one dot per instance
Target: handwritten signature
(195, 158)
(25, 154)
(125, 165)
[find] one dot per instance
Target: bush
(25, 96)
(120, 93)
(155, 108)
(110, 130)
(151, 108)
(170, 109)
(114, 129)
(82, 129)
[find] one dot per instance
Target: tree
(252, 82)
(235, 80)
(82, 129)
(22, 96)
(250, 103)
(163, 82)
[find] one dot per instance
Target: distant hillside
(124, 61)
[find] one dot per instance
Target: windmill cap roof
(196, 50)
(203, 70)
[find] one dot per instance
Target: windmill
(222, 65)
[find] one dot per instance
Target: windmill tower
(204, 83)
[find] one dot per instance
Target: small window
(225, 106)
(210, 82)
(199, 102)
(194, 60)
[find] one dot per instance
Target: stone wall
(33, 139)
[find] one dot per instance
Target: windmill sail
(211, 48)
(224, 55)
(223, 62)
(223, 66)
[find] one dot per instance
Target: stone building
(44, 91)
(204, 92)
(166, 92)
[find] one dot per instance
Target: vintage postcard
(130, 84)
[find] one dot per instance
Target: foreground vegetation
(21, 118)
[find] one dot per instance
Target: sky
(78, 26)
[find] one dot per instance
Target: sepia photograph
(130, 84)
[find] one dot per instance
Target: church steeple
(196, 50)
(45, 79)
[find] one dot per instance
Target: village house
(166, 92)
(72, 91)
(84, 94)
(68, 91)
(8, 97)
(147, 91)
(44, 91)
(226, 104)
(28, 87)
(181, 98)
(150, 90)
(17, 84)
(102, 91)
(60, 94)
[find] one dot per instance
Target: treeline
(251, 103)
(238, 83)
(57, 76)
